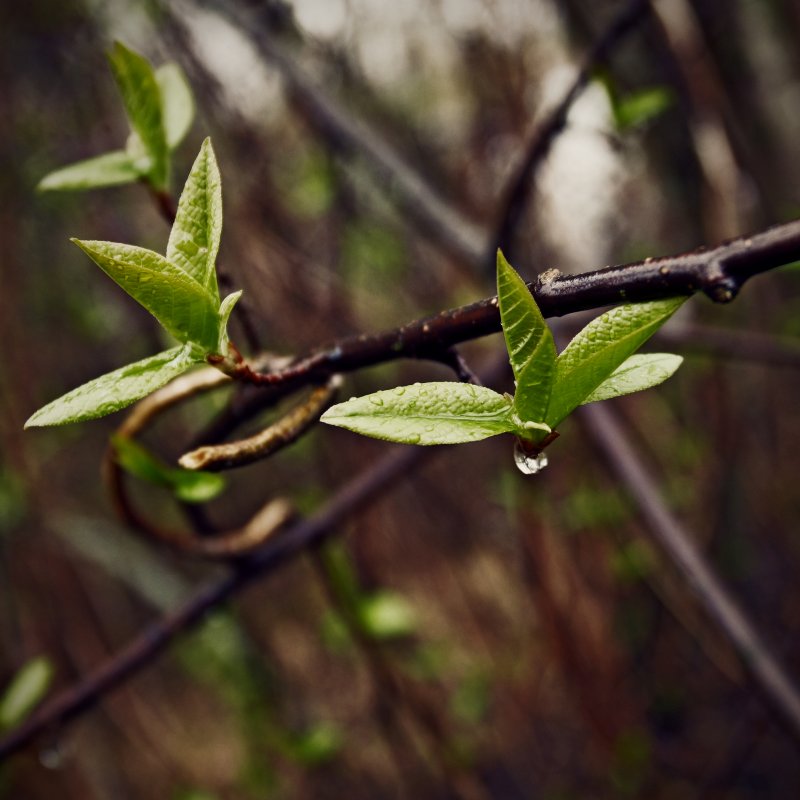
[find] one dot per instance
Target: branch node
(722, 290)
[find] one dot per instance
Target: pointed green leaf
(174, 298)
(177, 104)
(24, 692)
(191, 486)
(142, 98)
(426, 413)
(117, 389)
(638, 372)
(600, 348)
(194, 239)
(225, 309)
(530, 344)
(110, 169)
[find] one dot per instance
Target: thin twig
(518, 189)
(273, 438)
(224, 544)
(719, 272)
(672, 538)
(352, 137)
(349, 500)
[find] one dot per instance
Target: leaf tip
(502, 261)
(40, 419)
(83, 244)
(328, 416)
(45, 184)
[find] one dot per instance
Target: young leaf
(24, 692)
(138, 155)
(194, 239)
(177, 104)
(225, 308)
(174, 298)
(638, 372)
(605, 343)
(191, 486)
(110, 169)
(142, 98)
(117, 389)
(530, 344)
(426, 413)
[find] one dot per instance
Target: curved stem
(225, 545)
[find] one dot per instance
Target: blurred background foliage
(475, 633)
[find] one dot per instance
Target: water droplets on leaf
(376, 401)
(528, 463)
(400, 390)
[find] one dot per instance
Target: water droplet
(528, 463)
(376, 401)
(400, 390)
(413, 438)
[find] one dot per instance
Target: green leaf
(24, 692)
(530, 344)
(640, 107)
(386, 615)
(117, 389)
(600, 348)
(177, 104)
(110, 169)
(426, 413)
(194, 239)
(138, 155)
(174, 298)
(225, 309)
(642, 371)
(318, 745)
(142, 98)
(191, 486)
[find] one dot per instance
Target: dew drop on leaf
(412, 438)
(528, 463)
(400, 390)
(376, 401)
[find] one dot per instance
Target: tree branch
(672, 538)
(522, 182)
(719, 272)
(349, 500)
